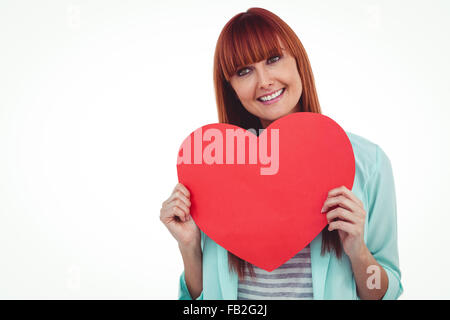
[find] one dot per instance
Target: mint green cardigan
(332, 278)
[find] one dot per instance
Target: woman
(262, 73)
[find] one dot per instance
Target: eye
(273, 59)
(243, 71)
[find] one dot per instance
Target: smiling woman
(262, 73)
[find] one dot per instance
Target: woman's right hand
(175, 214)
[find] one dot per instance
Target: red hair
(247, 38)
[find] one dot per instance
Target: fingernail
(323, 210)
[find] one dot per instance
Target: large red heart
(265, 216)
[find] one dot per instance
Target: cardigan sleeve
(382, 223)
(183, 292)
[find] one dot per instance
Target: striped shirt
(290, 281)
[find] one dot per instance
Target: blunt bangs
(250, 39)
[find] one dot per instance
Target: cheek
(293, 77)
(297, 84)
(245, 93)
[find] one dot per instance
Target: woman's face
(269, 89)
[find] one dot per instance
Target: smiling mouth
(271, 97)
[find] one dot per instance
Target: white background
(97, 96)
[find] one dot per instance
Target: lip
(273, 100)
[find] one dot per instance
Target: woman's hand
(348, 217)
(175, 214)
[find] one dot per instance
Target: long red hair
(247, 38)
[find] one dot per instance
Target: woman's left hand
(348, 217)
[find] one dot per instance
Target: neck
(265, 123)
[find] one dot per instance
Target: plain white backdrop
(97, 96)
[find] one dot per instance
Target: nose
(265, 79)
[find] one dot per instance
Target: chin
(276, 116)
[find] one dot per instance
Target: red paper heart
(263, 218)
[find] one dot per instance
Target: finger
(340, 201)
(169, 214)
(179, 195)
(343, 226)
(175, 209)
(180, 187)
(342, 214)
(180, 204)
(343, 190)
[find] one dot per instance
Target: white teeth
(272, 96)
